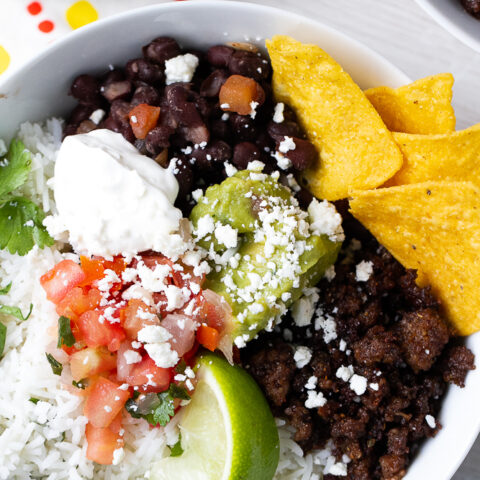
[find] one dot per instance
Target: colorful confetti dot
(34, 8)
(4, 59)
(46, 26)
(80, 14)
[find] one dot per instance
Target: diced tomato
(137, 315)
(238, 92)
(116, 424)
(143, 118)
(214, 310)
(91, 361)
(146, 372)
(93, 270)
(102, 442)
(208, 337)
(97, 334)
(76, 302)
(105, 402)
(58, 281)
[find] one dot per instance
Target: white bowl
(451, 15)
(39, 89)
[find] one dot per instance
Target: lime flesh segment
(228, 431)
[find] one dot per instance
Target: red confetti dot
(46, 26)
(34, 8)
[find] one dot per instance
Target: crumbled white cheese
(153, 334)
(132, 357)
(106, 283)
(374, 386)
(286, 145)
(358, 384)
(315, 399)
(230, 170)
(205, 226)
(282, 161)
(327, 324)
(176, 297)
(342, 346)
(180, 68)
(330, 273)
(255, 166)
(226, 235)
(302, 356)
(325, 220)
(197, 194)
(224, 106)
(311, 383)
(430, 421)
(278, 113)
(363, 271)
(253, 111)
(162, 354)
(304, 308)
(345, 373)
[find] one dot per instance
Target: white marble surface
(403, 33)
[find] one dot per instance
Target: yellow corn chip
(433, 227)
(453, 156)
(356, 149)
(423, 107)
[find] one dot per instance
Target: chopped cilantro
(6, 289)
(162, 408)
(34, 400)
(16, 312)
(57, 367)
(3, 336)
(65, 335)
(79, 384)
(21, 226)
(176, 450)
(14, 168)
(21, 220)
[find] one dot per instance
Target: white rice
(46, 440)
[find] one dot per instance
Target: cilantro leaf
(3, 336)
(65, 335)
(14, 168)
(6, 289)
(79, 384)
(34, 400)
(57, 367)
(165, 411)
(178, 392)
(176, 450)
(21, 226)
(16, 312)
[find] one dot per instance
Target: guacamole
(262, 250)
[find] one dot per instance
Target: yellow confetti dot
(4, 59)
(80, 14)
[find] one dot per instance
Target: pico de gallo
(129, 348)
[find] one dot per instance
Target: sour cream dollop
(112, 200)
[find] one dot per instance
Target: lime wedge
(228, 431)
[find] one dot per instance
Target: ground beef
(392, 334)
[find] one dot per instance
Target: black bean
(243, 127)
(304, 197)
(219, 55)
(184, 175)
(86, 89)
(86, 126)
(139, 144)
(145, 71)
(248, 64)
(244, 153)
(176, 95)
(203, 106)
(69, 129)
(220, 129)
(116, 90)
(303, 155)
(211, 85)
(80, 113)
(146, 94)
(264, 142)
(161, 49)
(195, 133)
(278, 131)
(157, 139)
(120, 126)
(119, 110)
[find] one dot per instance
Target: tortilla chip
(356, 149)
(453, 156)
(433, 227)
(423, 107)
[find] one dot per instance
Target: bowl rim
(9, 77)
(451, 26)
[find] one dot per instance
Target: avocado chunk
(262, 251)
